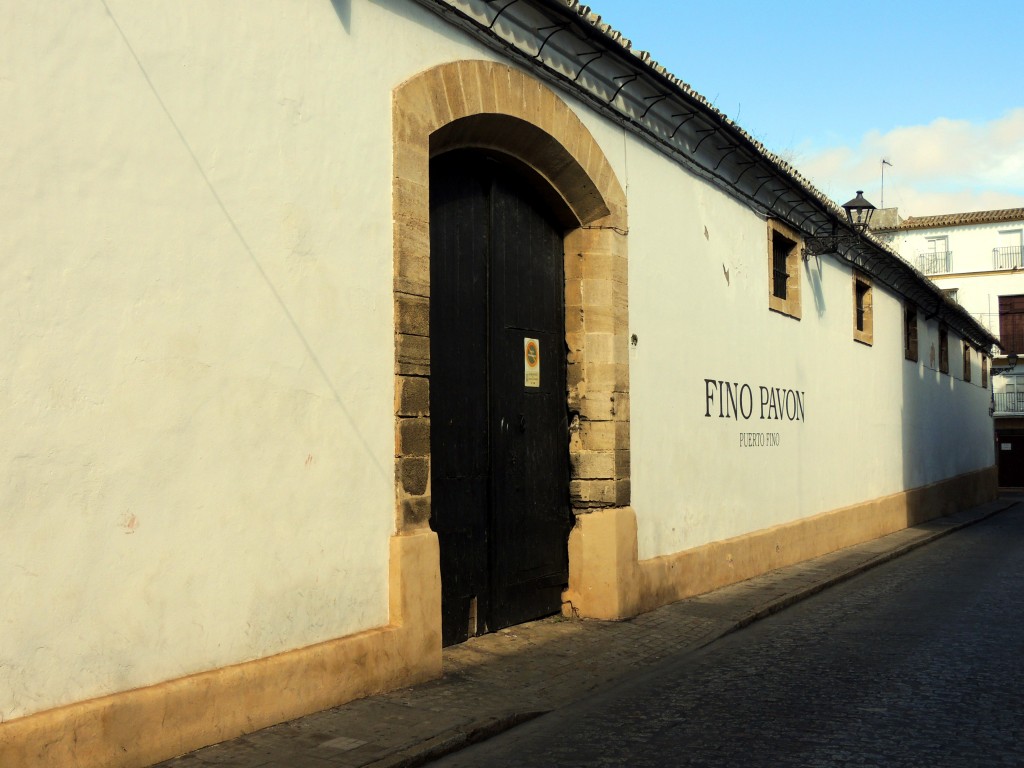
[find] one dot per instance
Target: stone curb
(455, 739)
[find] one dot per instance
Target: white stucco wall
(698, 296)
(197, 396)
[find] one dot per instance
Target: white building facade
(247, 344)
(976, 260)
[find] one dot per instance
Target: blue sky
(935, 88)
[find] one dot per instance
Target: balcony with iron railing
(1008, 257)
(1008, 403)
(935, 262)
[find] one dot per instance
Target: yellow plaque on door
(531, 362)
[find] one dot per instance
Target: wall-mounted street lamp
(858, 214)
(859, 211)
(1007, 364)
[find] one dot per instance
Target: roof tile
(960, 219)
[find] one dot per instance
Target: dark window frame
(784, 248)
(910, 332)
(863, 309)
(1011, 323)
(943, 349)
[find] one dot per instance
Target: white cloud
(947, 166)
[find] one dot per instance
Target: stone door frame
(490, 105)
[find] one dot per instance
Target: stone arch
(490, 105)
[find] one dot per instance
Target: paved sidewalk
(491, 683)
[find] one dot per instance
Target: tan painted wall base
(607, 581)
(147, 725)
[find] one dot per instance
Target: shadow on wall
(938, 436)
(812, 266)
(344, 10)
(917, 396)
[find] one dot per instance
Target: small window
(910, 332)
(984, 371)
(967, 361)
(943, 349)
(863, 330)
(783, 269)
(951, 294)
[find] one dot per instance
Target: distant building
(976, 259)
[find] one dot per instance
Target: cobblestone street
(497, 681)
(915, 663)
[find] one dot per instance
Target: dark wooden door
(1010, 450)
(499, 432)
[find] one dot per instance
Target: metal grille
(862, 292)
(779, 256)
(1009, 402)
(1008, 257)
(935, 262)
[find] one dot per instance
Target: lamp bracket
(817, 245)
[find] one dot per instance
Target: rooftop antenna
(884, 163)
